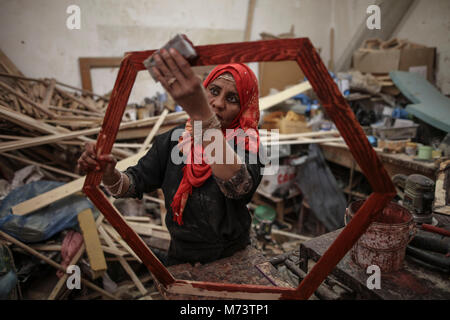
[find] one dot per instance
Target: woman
(206, 199)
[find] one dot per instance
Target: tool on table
(431, 250)
(181, 43)
(431, 241)
(429, 259)
(417, 193)
(438, 230)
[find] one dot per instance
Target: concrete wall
(33, 33)
(428, 23)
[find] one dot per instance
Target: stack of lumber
(102, 245)
(46, 123)
(43, 123)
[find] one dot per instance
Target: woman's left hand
(180, 81)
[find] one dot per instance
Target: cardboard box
(278, 74)
(293, 126)
(282, 180)
(419, 60)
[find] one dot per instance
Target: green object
(264, 213)
(428, 104)
(425, 152)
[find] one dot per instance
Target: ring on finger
(171, 81)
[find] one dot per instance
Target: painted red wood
(114, 113)
(244, 52)
(302, 51)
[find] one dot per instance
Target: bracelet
(115, 183)
(119, 190)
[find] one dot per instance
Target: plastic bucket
(384, 242)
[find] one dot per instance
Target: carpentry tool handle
(399, 181)
(412, 231)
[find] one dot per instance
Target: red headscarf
(196, 173)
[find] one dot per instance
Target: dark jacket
(214, 226)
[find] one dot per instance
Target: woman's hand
(89, 162)
(180, 81)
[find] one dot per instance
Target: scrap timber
(302, 51)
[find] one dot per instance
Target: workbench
(394, 163)
(413, 282)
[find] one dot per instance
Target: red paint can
(384, 242)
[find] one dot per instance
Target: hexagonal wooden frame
(302, 51)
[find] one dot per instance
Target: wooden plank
(154, 130)
(87, 63)
(44, 166)
(54, 264)
(147, 230)
(272, 274)
(331, 61)
(249, 22)
(113, 233)
(123, 262)
(116, 145)
(31, 142)
(63, 191)
(62, 281)
(26, 99)
(302, 141)
(138, 245)
(26, 121)
(137, 219)
(8, 137)
(73, 123)
(92, 241)
(78, 100)
(76, 111)
(57, 247)
(162, 208)
(46, 247)
(138, 133)
(269, 101)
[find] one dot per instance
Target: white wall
(33, 33)
(428, 23)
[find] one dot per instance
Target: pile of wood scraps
(43, 123)
(46, 123)
(102, 247)
(274, 138)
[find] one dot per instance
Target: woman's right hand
(89, 162)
